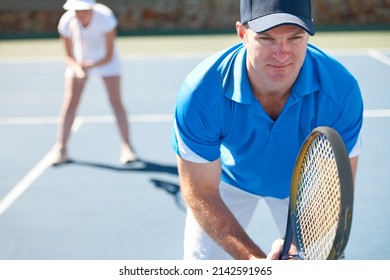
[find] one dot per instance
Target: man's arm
(200, 188)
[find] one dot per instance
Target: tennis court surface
(94, 208)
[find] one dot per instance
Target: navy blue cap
(262, 15)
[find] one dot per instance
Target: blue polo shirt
(218, 116)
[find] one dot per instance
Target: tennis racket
(321, 199)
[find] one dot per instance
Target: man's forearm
(220, 224)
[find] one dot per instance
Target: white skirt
(113, 68)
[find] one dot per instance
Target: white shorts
(198, 245)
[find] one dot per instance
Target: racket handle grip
(287, 242)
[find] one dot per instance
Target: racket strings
(318, 201)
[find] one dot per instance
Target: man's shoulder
(326, 62)
(334, 78)
(208, 81)
(328, 68)
(214, 69)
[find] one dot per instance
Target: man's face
(275, 57)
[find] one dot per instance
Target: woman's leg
(114, 93)
(73, 90)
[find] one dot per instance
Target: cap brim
(267, 22)
(78, 6)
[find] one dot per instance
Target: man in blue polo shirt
(241, 117)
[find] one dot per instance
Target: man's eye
(266, 40)
(296, 39)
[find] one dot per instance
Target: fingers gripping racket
(321, 198)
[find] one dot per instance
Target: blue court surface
(94, 208)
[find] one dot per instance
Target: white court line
(379, 113)
(31, 60)
(29, 120)
(379, 56)
(31, 176)
(45, 162)
(156, 118)
(173, 55)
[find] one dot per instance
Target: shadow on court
(141, 166)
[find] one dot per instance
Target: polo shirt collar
(238, 87)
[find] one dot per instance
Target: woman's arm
(70, 59)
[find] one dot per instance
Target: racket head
(321, 198)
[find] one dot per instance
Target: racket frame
(346, 196)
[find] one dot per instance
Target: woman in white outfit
(88, 31)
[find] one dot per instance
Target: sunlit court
(93, 207)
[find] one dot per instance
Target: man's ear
(241, 30)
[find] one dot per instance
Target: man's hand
(276, 250)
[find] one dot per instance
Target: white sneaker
(60, 156)
(128, 155)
